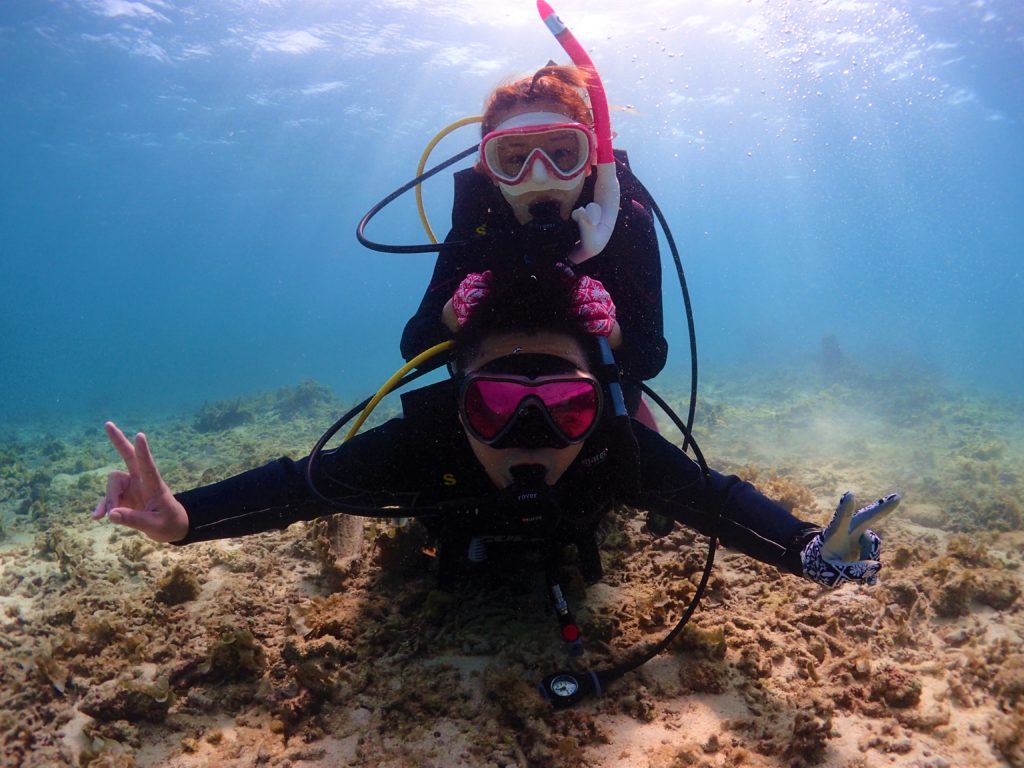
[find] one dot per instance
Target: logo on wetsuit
(598, 458)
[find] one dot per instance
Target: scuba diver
(532, 452)
(533, 181)
(548, 185)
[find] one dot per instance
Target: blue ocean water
(181, 182)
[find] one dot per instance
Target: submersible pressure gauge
(564, 689)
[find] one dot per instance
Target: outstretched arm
(378, 468)
(745, 519)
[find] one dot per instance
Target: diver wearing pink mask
(534, 194)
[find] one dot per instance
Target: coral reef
(233, 655)
(896, 687)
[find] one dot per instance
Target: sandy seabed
(304, 649)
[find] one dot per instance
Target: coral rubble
(333, 644)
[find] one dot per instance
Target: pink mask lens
(491, 404)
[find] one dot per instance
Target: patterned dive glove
(591, 302)
(829, 558)
(593, 305)
(471, 291)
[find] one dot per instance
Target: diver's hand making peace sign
(848, 550)
(139, 498)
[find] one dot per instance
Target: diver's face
(498, 462)
(565, 198)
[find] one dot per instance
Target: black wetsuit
(629, 267)
(424, 460)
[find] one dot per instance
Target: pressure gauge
(563, 689)
(564, 686)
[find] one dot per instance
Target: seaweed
(792, 495)
(134, 549)
(999, 591)
(105, 753)
(1008, 683)
(53, 672)
(953, 598)
(176, 587)
(811, 730)
(220, 416)
(53, 448)
(697, 676)
(969, 551)
(69, 551)
(1007, 735)
(709, 643)
(983, 505)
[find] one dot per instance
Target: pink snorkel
(597, 220)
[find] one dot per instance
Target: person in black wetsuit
(529, 208)
(526, 420)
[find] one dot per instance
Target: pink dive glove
(592, 304)
(471, 291)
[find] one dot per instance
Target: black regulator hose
(424, 247)
(567, 688)
(687, 433)
(315, 455)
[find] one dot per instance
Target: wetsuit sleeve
(361, 472)
(462, 253)
(425, 329)
(747, 520)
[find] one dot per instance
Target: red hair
(564, 86)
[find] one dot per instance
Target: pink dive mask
(539, 147)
